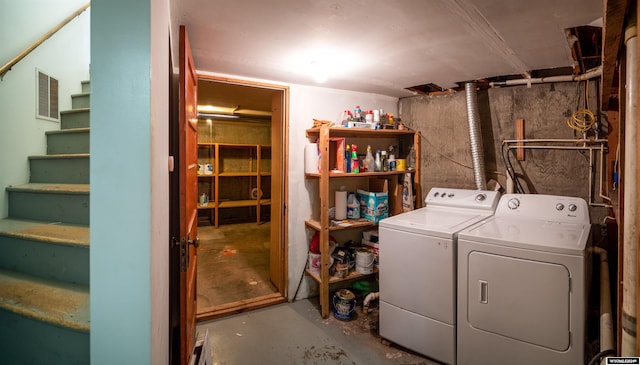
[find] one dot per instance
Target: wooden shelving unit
(234, 166)
(408, 140)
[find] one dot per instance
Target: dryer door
(522, 299)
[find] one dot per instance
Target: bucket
(314, 263)
(344, 302)
(364, 261)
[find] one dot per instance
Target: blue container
(344, 302)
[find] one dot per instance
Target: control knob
(513, 203)
(559, 206)
(481, 197)
(572, 207)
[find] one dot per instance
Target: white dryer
(523, 278)
(418, 270)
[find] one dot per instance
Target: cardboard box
(336, 154)
(374, 204)
(395, 196)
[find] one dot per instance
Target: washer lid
(541, 235)
(435, 221)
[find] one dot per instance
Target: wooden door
(278, 224)
(188, 164)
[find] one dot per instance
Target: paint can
(344, 302)
(364, 261)
(340, 262)
(314, 263)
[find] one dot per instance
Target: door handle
(484, 292)
(195, 242)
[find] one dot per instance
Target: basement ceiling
(382, 46)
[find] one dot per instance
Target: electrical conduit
(475, 136)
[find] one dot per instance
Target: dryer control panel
(564, 209)
(463, 198)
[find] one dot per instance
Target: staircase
(44, 264)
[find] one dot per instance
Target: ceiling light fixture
(216, 115)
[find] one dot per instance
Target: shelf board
(232, 145)
(237, 174)
(312, 223)
(209, 205)
(332, 279)
(360, 132)
(243, 203)
(361, 174)
(207, 176)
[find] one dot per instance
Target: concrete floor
(295, 333)
(233, 263)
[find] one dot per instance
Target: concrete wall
(64, 56)
(446, 151)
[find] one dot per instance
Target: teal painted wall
(129, 182)
(64, 56)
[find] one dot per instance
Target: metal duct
(475, 136)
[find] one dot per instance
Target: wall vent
(47, 103)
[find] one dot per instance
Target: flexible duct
(475, 136)
(630, 174)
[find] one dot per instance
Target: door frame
(280, 120)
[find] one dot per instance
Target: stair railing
(7, 67)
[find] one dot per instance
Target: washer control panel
(463, 198)
(546, 207)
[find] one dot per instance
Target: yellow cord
(582, 120)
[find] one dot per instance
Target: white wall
(64, 56)
(129, 182)
(305, 104)
(308, 103)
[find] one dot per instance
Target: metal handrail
(7, 67)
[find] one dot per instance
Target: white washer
(523, 278)
(418, 270)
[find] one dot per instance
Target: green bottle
(355, 166)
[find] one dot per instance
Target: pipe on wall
(592, 146)
(630, 171)
(590, 74)
(475, 136)
(606, 322)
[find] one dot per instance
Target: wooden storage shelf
(360, 132)
(353, 275)
(405, 138)
(237, 174)
(243, 203)
(250, 164)
(360, 174)
(312, 223)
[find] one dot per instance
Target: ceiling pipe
(593, 73)
(475, 136)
